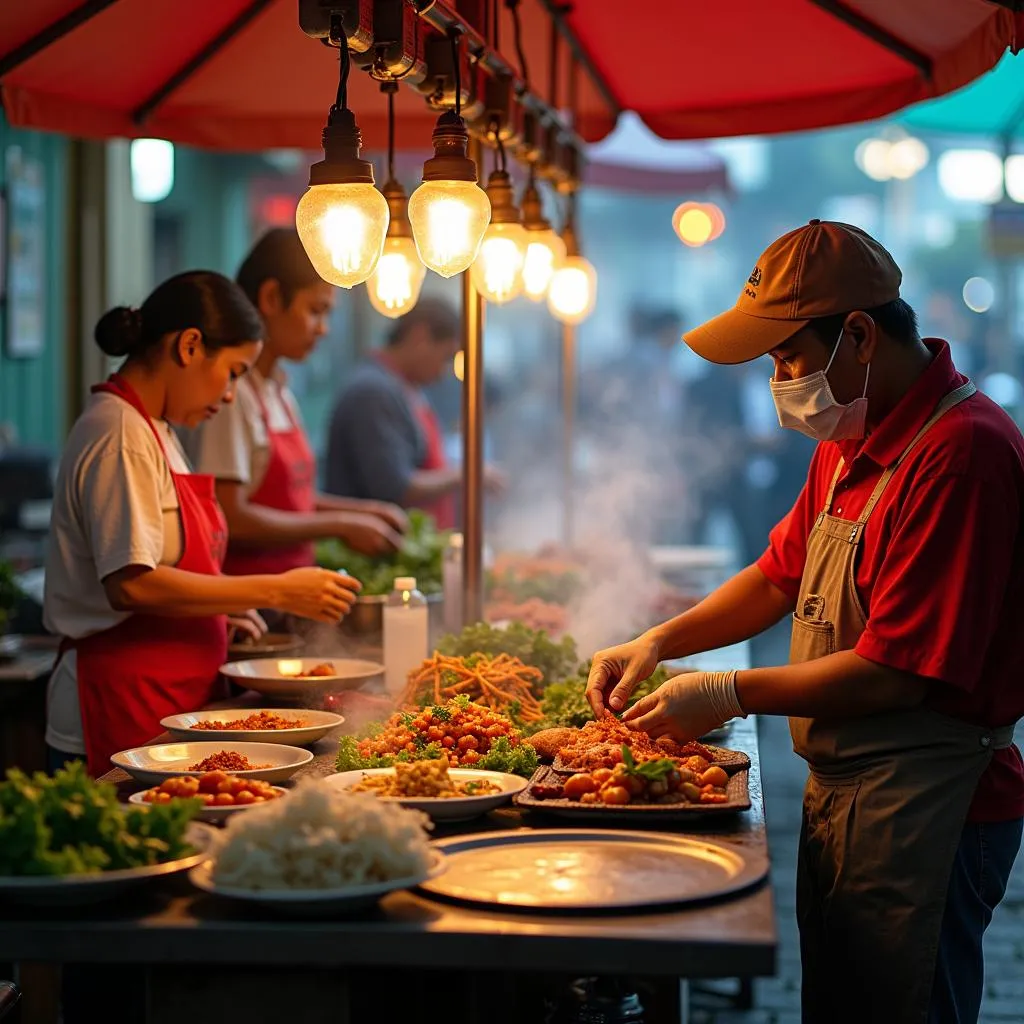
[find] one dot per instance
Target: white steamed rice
(321, 838)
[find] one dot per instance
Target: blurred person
(257, 449)
(902, 565)
(385, 442)
(133, 582)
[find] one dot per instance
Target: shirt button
(839, 511)
(986, 741)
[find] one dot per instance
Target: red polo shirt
(941, 570)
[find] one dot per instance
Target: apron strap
(257, 390)
(951, 400)
(832, 486)
(117, 385)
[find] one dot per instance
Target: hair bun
(119, 331)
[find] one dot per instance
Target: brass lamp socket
(341, 164)
(450, 162)
(398, 206)
(569, 236)
(533, 210)
(503, 203)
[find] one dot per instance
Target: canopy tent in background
(240, 75)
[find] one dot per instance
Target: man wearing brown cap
(902, 566)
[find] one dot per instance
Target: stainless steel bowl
(367, 615)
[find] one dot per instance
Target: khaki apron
(884, 806)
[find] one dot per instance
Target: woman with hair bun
(258, 450)
(137, 540)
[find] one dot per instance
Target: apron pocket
(811, 639)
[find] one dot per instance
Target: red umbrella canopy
(690, 70)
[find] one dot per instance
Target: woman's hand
(615, 673)
(366, 533)
(249, 626)
(318, 594)
(393, 515)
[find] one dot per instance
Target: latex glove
(687, 706)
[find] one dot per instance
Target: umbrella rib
(558, 9)
(144, 111)
(877, 34)
(52, 34)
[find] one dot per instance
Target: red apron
(288, 485)
(443, 508)
(149, 666)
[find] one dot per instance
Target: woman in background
(258, 450)
(137, 540)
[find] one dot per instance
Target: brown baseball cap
(821, 269)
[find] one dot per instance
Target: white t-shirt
(235, 445)
(114, 505)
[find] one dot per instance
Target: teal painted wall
(32, 391)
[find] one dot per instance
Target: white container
(406, 633)
(451, 584)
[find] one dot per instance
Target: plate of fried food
(259, 725)
(271, 762)
(445, 793)
(221, 794)
(296, 678)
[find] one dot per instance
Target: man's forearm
(739, 609)
(841, 685)
(430, 484)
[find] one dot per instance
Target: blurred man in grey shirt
(385, 442)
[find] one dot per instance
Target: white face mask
(808, 405)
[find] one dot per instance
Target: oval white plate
(317, 725)
(214, 815)
(276, 676)
(81, 890)
(315, 902)
(456, 808)
(151, 765)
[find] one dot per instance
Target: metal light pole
(472, 441)
(568, 429)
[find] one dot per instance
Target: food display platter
(582, 870)
(649, 814)
(728, 760)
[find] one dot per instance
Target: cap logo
(753, 282)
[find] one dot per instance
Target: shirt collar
(887, 442)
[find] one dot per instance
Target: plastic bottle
(406, 633)
(451, 584)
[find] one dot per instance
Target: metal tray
(652, 815)
(577, 870)
(729, 760)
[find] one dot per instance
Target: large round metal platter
(81, 890)
(287, 677)
(314, 725)
(564, 870)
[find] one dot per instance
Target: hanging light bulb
(342, 218)
(545, 251)
(573, 289)
(497, 272)
(394, 286)
(449, 212)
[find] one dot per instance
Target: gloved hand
(687, 706)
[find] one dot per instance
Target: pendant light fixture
(545, 251)
(394, 286)
(342, 218)
(573, 289)
(449, 212)
(497, 272)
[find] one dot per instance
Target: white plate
(277, 677)
(80, 890)
(214, 815)
(314, 902)
(439, 808)
(151, 765)
(318, 724)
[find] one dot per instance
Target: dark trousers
(981, 871)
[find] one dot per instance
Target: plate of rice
(321, 852)
(446, 794)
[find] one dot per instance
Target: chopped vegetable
(70, 824)
(420, 555)
(564, 704)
